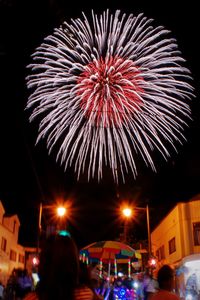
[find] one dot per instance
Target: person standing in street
(166, 284)
(58, 269)
(59, 272)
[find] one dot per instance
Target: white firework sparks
(108, 90)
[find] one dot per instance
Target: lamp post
(127, 213)
(148, 226)
(39, 226)
(61, 212)
(148, 230)
(40, 218)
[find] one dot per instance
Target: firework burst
(107, 90)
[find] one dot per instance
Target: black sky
(29, 175)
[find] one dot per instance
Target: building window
(13, 255)
(3, 244)
(21, 258)
(162, 250)
(172, 246)
(196, 233)
(160, 253)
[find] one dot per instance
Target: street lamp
(61, 212)
(127, 213)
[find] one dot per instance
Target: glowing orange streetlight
(127, 212)
(61, 211)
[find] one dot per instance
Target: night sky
(29, 175)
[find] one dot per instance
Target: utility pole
(39, 227)
(148, 231)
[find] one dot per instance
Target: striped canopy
(109, 250)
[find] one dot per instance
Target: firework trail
(107, 90)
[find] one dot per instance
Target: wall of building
(189, 213)
(12, 224)
(2, 212)
(167, 230)
(178, 225)
(12, 255)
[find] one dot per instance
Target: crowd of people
(63, 277)
(19, 284)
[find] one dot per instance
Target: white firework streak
(107, 90)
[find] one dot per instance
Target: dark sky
(29, 175)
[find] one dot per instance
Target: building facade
(12, 255)
(178, 234)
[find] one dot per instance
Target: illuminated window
(172, 246)
(3, 244)
(21, 258)
(13, 255)
(196, 233)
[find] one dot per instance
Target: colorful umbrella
(109, 251)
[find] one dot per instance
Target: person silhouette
(58, 270)
(165, 279)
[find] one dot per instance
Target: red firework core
(110, 91)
